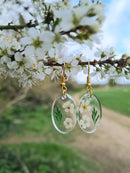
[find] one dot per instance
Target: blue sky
(116, 27)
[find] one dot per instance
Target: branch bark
(30, 25)
(16, 27)
(121, 62)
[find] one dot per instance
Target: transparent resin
(89, 113)
(63, 114)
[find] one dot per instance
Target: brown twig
(30, 25)
(121, 62)
(16, 27)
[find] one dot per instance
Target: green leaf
(96, 119)
(58, 115)
(94, 116)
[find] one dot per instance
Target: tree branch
(120, 63)
(85, 28)
(16, 27)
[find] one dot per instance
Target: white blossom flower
(56, 73)
(84, 107)
(105, 53)
(70, 19)
(112, 71)
(74, 70)
(38, 42)
(8, 45)
(39, 75)
(99, 10)
(19, 61)
(69, 107)
(48, 70)
(5, 60)
(66, 18)
(68, 123)
(12, 65)
(18, 56)
(85, 122)
(128, 76)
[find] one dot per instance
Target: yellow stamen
(34, 65)
(68, 107)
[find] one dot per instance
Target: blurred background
(30, 144)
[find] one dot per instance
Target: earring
(64, 109)
(89, 112)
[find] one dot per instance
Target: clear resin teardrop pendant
(89, 113)
(63, 114)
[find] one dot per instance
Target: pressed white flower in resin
(68, 123)
(69, 107)
(85, 107)
(85, 122)
(64, 114)
(89, 108)
(89, 113)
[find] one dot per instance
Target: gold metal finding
(63, 85)
(89, 87)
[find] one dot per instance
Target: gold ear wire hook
(88, 77)
(63, 85)
(89, 88)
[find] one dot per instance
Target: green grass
(23, 122)
(117, 99)
(44, 158)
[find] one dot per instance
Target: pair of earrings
(88, 114)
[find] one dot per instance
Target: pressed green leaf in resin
(58, 115)
(94, 115)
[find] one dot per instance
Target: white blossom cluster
(111, 71)
(62, 34)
